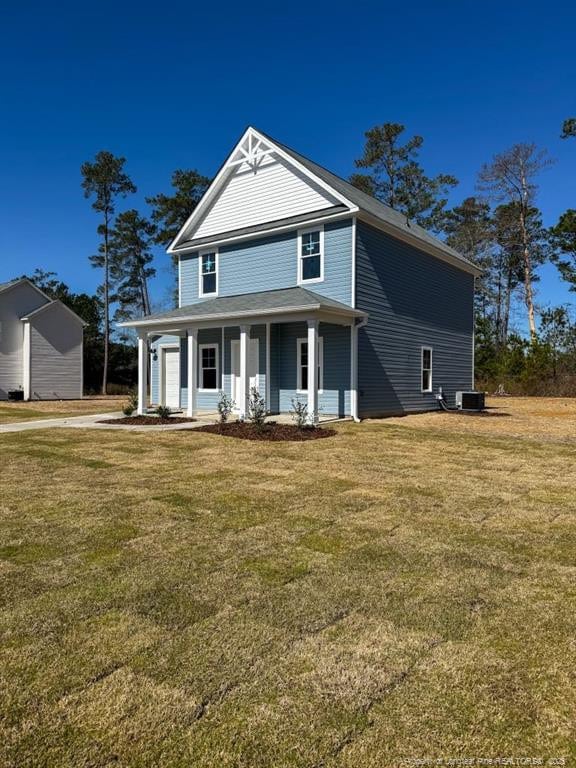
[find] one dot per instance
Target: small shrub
(132, 404)
(225, 407)
(256, 408)
(164, 411)
(299, 413)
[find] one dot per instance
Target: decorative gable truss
(259, 183)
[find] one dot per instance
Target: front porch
(189, 364)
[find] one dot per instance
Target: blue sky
(173, 85)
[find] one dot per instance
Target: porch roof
(284, 301)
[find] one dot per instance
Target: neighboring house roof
(9, 284)
(22, 281)
(52, 305)
(284, 300)
(346, 197)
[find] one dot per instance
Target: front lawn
(57, 409)
(402, 591)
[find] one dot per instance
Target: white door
(171, 377)
(253, 377)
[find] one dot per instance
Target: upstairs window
(426, 369)
(209, 273)
(311, 256)
(208, 369)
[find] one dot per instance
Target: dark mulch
(272, 432)
(153, 421)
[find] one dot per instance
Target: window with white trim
(208, 366)
(302, 352)
(311, 256)
(209, 273)
(426, 369)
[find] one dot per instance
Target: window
(426, 369)
(209, 273)
(311, 256)
(302, 352)
(208, 369)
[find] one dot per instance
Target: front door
(252, 369)
(171, 377)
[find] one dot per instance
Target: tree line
(500, 229)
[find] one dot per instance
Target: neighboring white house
(40, 344)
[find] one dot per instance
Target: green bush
(164, 411)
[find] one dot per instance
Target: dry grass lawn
(55, 409)
(403, 591)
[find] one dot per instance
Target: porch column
(192, 372)
(268, 335)
(142, 373)
(313, 371)
(354, 371)
(244, 380)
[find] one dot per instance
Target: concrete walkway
(67, 421)
(90, 421)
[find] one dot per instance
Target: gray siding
(55, 355)
(270, 263)
(335, 398)
(413, 300)
(14, 304)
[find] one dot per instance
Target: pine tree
(396, 178)
(511, 178)
(131, 258)
(105, 180)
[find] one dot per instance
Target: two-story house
(295, 282)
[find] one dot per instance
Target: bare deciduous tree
(511, 178)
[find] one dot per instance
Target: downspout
(355, 328)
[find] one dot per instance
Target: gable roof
(282, 300)
(52, 305)
(23, 281)
(3, 286)
(253, 149)
(374, 207)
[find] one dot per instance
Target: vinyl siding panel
(335, 397)
(208, 401)
(270, 263)
(15, 303)
(274, 191)
(413, 300)
(55, 355)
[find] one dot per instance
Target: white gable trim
(24, 281)
(252, 149)
(52, 305)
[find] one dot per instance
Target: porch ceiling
(286, 303)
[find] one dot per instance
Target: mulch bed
(271, 432)
(151, 421)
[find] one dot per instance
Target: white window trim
(422, 369)
(201, 293)
(301, 232)
(299, 343)
(215, 346)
